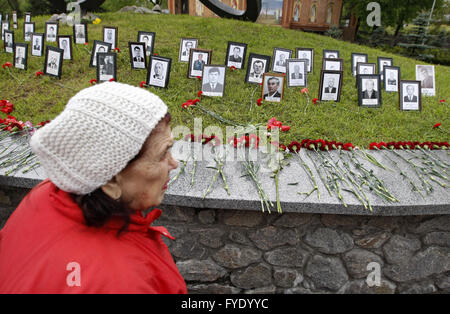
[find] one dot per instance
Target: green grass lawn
(39, 99)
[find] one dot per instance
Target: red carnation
(199, 94)
(112, 79)
(117, 49)
(155, 54)
(86, 44)
(304, 90)
(232, 68)
(348, 146)
(7, 65)
(93, 81)
(199, 78)
(259, 101)
(285, 128)
(437, 125)
(294, 144)
(315, 101)
(282, 147)
(143, 83)
(442, 100)
(39, 73)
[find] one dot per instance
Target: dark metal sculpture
(223, 10)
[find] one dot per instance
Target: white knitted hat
(101, 129)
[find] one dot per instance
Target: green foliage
(334, 32)
(378, 37)
(42, 98)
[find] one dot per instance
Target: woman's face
(144, 181)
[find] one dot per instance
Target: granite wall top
(292, 180)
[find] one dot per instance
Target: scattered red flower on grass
(39, 73)
(437, 125)
(232, 68)
(93, 81)
(43, 123)
(7, 65)
(199, 78)
(86, 44)
(112, 79)
(259, 101)
(442, 100)
(189, 103)
(199, 94)
(155, 54)
(6, 106)
(285, 128)
(143, 83)
(315, 101)
(117, 49)
(304, 90)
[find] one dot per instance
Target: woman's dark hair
(98, 207)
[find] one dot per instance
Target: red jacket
(45, 247)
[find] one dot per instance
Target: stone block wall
(241, 251)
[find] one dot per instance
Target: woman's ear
(112, 189)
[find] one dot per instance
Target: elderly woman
(83, 230)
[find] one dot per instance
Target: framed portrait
(369, 90)
(37, 44)
(5, 27)
(186, 45)
(28, 30)
(53, 61)
(382, 62)
(27, 17)
(148, 38)
(358, 58)
(197, 60)
(65, 43)
(273, 87)
(106, 66)
(280, 56)
(110, 35)
(306, 53)
(21, 56)
(99, 46)
(158, 73)
(330, 85)
(364, 68)
(297, 72)
(256, 67)
(391, 79)
(51, 31)
(8, 44)
(425, 74)
(332, 64)
(80, 33)
(236, 53)
(137, 55)
(410, 95)
(330, 54)
(213, 80)
(14, 19)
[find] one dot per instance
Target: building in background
(196, 8)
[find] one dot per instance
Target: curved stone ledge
(243, 194)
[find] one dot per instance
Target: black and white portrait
(65, 43)
(137, 56)
(14, 19)
(297, 72)
(382, 62)
(257, 66)
(332, 64)
(37, 44)
(80, 33)
(9, 41)
(273, 87)
(330, 85)
(365, 68)
(425, 74)
(110, 35)
(28, 30)
(330, 54)
(159, 71)
(391, 79)
(20, 56)
(198, 59)
(410, 95)
(99, 46)
(147, 38)
(308, 54)
(279, 59)
(27, 17)
(53, 61)
(106, 66)
(236, 54)
(51, 31)
(186, 45)
(358, 58)
(213, 81)
(5, 27)
(369, 90)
